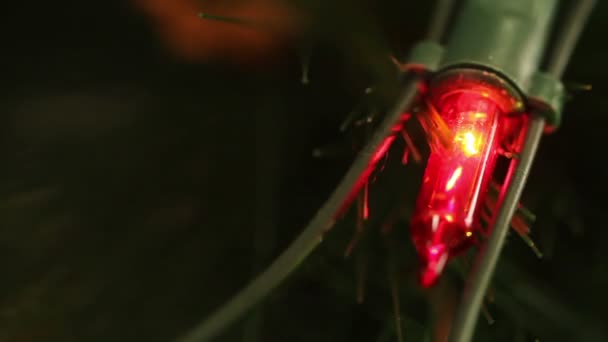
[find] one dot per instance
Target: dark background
(140, 189)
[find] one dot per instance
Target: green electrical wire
(440, 19)
(468, 312)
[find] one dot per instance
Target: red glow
(437, 257)
(376, 156)
(455, 181)
(366, 203)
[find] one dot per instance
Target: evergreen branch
(312, 234)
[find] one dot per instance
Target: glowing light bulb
(456, 179)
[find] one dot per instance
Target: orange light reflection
(453, 179)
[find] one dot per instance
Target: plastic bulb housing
(455, 180)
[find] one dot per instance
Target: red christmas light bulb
(455, 181)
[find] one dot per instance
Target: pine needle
(305, 69)
(362, 216)
(411, 147)
(406, 156)
(487, 315)
(393, 279)
(521, 219)
(576, 87)
(437, 131)
(361, 278)
(493, 194)
(234, 20)
(528, 240)
(351, 118)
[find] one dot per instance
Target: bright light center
(469, 142)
